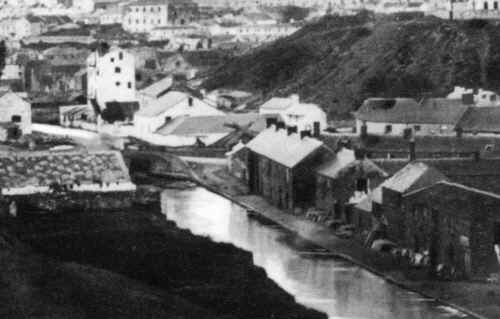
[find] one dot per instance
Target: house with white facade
(157, 112)
(480, 97)
(405, 116)
(110, 77)
(15, 115)
(113, 15)
(144, 16)
(295, 113)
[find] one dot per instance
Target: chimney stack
(291, 130)
(413, 154)
(364, 130)
(280, 125)
(270, 121)
(190, 101)
(316, 129)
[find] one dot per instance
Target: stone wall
(69, 202)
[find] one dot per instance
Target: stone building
(144, 16)
(455, 225)
(343, 181)
(15, 115)
(281, 166)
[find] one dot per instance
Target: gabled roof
(202, 125)
(278, 104)
(413, 176)
(344, 160)
(10, 99)
(288, 150)
(407, 110)
(450, 187)
(162, 104)
(159, 87)
(481, 120)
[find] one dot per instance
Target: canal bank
(472, 298)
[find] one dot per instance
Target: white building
(480, 97)
(111, 77)
(144, 16)
(113, 15)
(15, 110)
(295, 113)
(157, 112)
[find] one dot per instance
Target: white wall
(105, 84)
(376, 128)
(144, 18)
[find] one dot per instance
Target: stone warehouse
(53, 181)
(281, 165)
(455, 225)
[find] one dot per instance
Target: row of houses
(442, 210)
(470, 114)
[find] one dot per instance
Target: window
(120, 55)
(152, 9)
(485, 5)
(362, 185)
(118, 83)
(16, 118)
(137, 21)
(417, 128)
(388, 129)
(495, 5)
(129, 85)
(112, 59)
(159, 9)
(118, 70)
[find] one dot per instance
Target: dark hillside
(339, 61)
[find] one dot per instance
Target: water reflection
(335, 287)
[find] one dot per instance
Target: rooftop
(344, 161)
(481, 120)
(18, 170)
(407, 110)
(158, 87)
(288, 150)
(196, 125)
(162, 104)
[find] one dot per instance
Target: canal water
(336, 287)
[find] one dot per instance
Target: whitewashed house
(157, 112)
(111, 77)
(479, 97)
(15, 115)
(405, 116)
(295, 113)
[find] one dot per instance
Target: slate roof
(413, 176)
(44, 168)
(199, 125)
(407, 110)
(158, 87)
(481, 120)
(277, 145)
(162, 104)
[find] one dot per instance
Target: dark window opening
(118, 70)
(16, 118)
(417, 128)
(362, 185)
(129, 85)
(388, 129)
(112, 59)
(486, 6)
(117, 83)
(120, 55)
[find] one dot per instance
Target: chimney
(413, 154)
(291, 130)
(459, 131)
(304, 134)
(364, 130)
(280, 125)
(316, 129)
(270, 121)
(468, 98)
(190, 101)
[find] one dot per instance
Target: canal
(336, 287)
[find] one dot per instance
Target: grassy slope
(339, 61)
(219, 279)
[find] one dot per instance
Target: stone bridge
(157, 163)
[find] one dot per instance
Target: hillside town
(108, 108)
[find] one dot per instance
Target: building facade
(110, 77)
(144, 16)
